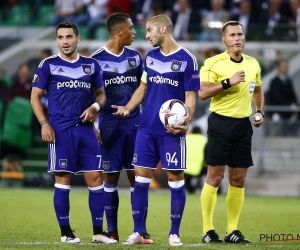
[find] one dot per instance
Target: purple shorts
(150, 149)
(117, 149)
(75, 150)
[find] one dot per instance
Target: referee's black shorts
(229, 141)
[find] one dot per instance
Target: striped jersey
(69, 87)
(121, 75)
(167, 77)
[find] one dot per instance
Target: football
(173, 113)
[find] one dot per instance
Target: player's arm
(100, 96)
(47, 131)
(135, 100)
(209, 89)
(258, 101)
(91, 112)
(190, 102)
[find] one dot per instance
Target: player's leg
(146, 237)
(113, 150)
(131, 179)
(130, 136)
(172, 155)
(62, 162)
(178, 199)
(234, 202)
(111, 203)
(145, 159)
(217, 153)
(240, 160)
(208, 198)
(89, 163)
(62, 206)
(139, 204)
(94, 182)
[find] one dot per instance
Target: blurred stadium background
(24, 33)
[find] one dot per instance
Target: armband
(43, 121)
(226, 84)
(96, 105)
(261, 112)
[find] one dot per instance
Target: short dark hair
(115, 19)
(230, 23)
(70, 25)
(163, 20)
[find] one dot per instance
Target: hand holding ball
(257, 118)
(173, 113)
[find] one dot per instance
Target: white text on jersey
(161, 80)
(73, 84)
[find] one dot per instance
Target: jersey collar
(68, 60)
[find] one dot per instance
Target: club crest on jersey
(87, 68)
(134, 158)
(106, 165)
(176, 65)
(132, 62)
(63, 163)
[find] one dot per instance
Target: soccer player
(231, 79)
(73, 148)
(122, 70)
(171, 72)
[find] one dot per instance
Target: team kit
(115, 111)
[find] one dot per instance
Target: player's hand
(89, 114)
(257, 120)
(176, 130)
(121, 111)
(47, 133)
(237, 78)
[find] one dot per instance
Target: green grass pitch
(27, 221)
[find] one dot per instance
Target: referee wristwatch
(261, 112)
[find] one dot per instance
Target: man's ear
(223, 40)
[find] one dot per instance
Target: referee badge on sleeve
(252, 86)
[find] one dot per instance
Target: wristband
(261, 112)
(96, 105)
(226, 84)
(43, 121)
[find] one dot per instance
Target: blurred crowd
(193, 19)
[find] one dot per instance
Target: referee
(230, 79)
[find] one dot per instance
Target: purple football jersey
(168, 77)
(121, 75)
(69, 87)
